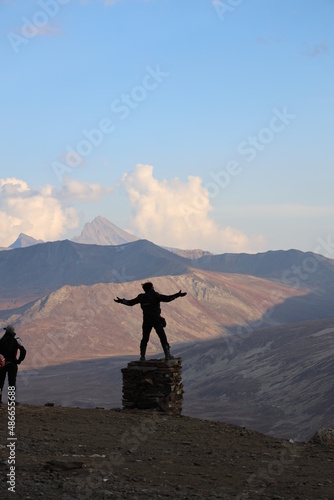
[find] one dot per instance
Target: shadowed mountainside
(277, 380)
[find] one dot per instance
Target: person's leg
(162, 336)
(12, 373)
(147, 327)
(3, 372)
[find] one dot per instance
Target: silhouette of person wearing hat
(150, 303)
(9, 347)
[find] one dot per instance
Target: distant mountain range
(29, 273)
(39, 269)
(98, 232)
(103, 232)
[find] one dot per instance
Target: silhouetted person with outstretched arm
(150, 304)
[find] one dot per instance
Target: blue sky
(192, 123)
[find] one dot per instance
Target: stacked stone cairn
(153, 384)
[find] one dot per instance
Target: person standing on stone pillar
(150, 303)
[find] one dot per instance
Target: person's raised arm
(127, 302)
(169, 298)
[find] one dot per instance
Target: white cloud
(82, 191)
(36, 213)
(46, 214)
(176, 214)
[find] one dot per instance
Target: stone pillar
(153, 384)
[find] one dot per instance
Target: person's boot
(167, 352)
(142, 353)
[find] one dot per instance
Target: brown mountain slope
(84, 322)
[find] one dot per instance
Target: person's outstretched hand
(182, 294)
(118, 300)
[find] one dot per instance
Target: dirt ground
(73, 453)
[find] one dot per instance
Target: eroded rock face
(153, 384)
(325, 437)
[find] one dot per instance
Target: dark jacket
(150, 302)
(9, 346)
